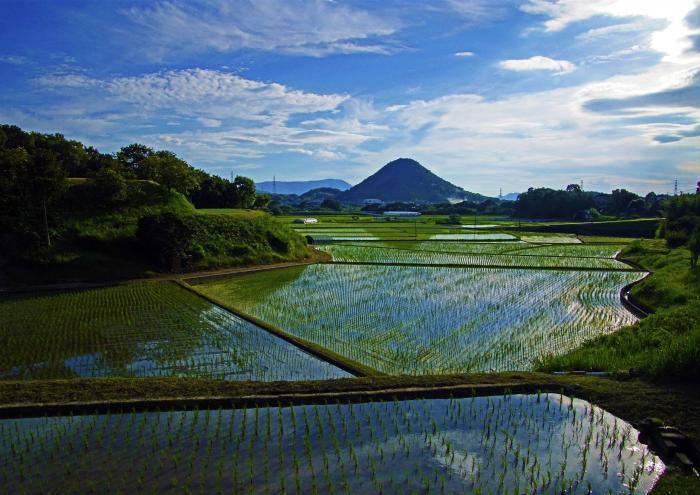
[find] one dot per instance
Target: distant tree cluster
(575, 204)
(37, 170)
(552, 203)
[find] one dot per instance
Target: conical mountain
(404, 180)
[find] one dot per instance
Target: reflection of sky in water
(512, 444)
(223, 346)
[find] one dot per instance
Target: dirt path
(190, 276)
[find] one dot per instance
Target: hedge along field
(367, 254)
(142, 329)
(512, 444)
(430, 320)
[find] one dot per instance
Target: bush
(109, 186)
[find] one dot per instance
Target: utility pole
(500, 193)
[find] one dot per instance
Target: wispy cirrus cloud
(538, 62)
(314, 28)
(200, 93)
(13, 59)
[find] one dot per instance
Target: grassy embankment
(666, 344)
(95, 241)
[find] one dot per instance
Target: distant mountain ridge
(406, 180)
(510, 196)
(300, 187)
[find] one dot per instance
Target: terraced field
(526, 258)
(143, 329)
(422, 320)
(542, 443)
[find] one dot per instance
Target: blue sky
(489, 94)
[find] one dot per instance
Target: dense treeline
(68, 211)
(37, 172)
(575, 204)
(682, 225)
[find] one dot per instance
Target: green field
(539, 443)
(142, 329)
(417, 320)
(520, 259)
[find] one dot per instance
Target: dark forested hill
(407, 180)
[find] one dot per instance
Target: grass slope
(665, 345)
(97, 241)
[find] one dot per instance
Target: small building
(372, 201)
(401, 213)
(306, 220)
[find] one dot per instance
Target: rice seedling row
(425, 320)
(538, 443)
(143, 329)
(573, 250)
(448, 246)
(473, 236)
(366, 254)
(551, 239)
(515, 248)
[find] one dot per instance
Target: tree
(174, 173)
(694, 246)
(261, 201)
(331, 204)
(551, 203)
(682, 219)
(213, 192)
(244, 192)
(620, 200)
(133, 158)
(47, 183)
(109, 185)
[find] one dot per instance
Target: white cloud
(13, 59)
(539, 62)
(607, 31)
(672, 40)
(464, 54)
(207, 122)
(57, 81)
(313, 28)
(206, 94)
